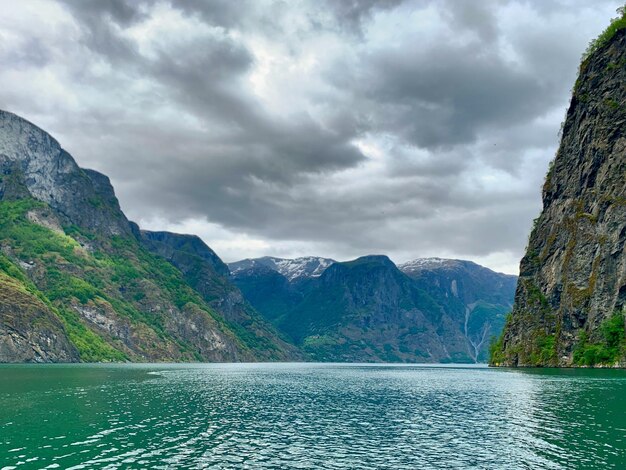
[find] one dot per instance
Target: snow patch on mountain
(427, 263)
(292, 269)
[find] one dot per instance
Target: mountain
(208, 275)
(276, 285)
(82, 283)
(369, 310)
(268, 291)
(571, 292)
(473, 295)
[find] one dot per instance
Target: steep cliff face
(572, 286)
(29, 330)
(49, 174)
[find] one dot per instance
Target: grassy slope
(214, 288)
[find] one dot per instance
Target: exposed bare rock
(29, 330)
(573, 276)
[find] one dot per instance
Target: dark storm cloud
(445, 92)
(121, 12)
(445, 95)
(406, 127)
(351, 14)
(100, 21)
(478, 17)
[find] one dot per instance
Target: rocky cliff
(572, 288)
(30, 331)
(49, 174)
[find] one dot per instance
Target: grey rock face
(573, 276)
(29, 330)
(12, 184)
(51, 175)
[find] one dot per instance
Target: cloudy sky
(336, 128)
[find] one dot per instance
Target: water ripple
(313, 416)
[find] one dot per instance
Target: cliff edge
(571, 291)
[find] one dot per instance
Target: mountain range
(369, 309)
(80, 282)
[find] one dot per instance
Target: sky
(335, 128)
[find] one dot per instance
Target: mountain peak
(426, 263)
(21, 139)
(434, 263)
(49, 174)
(167, 243)
(382, 260)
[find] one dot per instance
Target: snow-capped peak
(292, 269)
(426, 263)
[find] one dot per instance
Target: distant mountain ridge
(369, 309)
(474, 295)
(292, 269)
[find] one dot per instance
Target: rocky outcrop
(49, 174)
(29, 330)
(572, 285)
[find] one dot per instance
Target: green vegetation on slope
(117, 273)
(90, 346)
(616, 24)
(202, 269)
(607, 349)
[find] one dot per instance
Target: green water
(310, 416)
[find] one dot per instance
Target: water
(310, 416)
